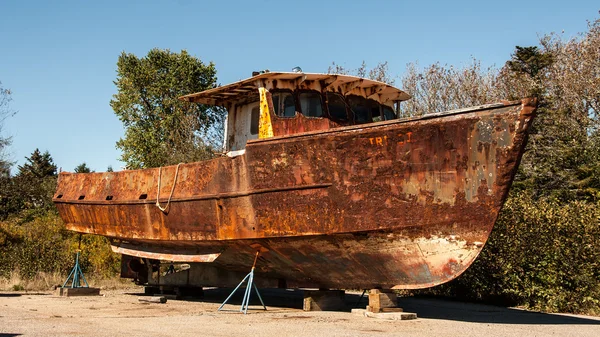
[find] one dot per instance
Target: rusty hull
(396, 204)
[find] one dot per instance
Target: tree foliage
(379, 73)
(543, 254)
(160, 129)
(41, 244)
(83, 168)
(34, 184)
(31, 188)
(563, 152)
(530, 61)
(38, 165)
(438, 87)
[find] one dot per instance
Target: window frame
(299, 104)
(328, 113)
(370, 103)
(350, 115)
(280, 91)
(257, 121)
(354, 122)
(383, 106)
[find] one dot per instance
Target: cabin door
(245, 125)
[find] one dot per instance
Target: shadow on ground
(433, 308)
(8, 295)
(430, 308)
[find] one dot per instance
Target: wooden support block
(393, 316)
(381, 299)
(324, 300)
(153, 299)
(69, 292)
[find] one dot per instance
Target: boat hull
(397, 204)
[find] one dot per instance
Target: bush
(37, 242)
(542, 254)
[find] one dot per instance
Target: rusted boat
(323, 179)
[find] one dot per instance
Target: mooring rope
(164, 210)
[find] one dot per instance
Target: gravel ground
(121, 313)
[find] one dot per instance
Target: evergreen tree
(38, 165)
(35, 182)
(83, 168)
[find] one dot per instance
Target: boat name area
(403, 138)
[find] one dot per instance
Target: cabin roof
(344, 84)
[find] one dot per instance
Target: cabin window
(283, 103)
(336, 106)
(360, 109)
(375, 109)
(388, 112)
(255, 116)
(310, 104)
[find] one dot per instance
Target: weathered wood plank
(153, 299)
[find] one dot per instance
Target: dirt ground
(120, 312)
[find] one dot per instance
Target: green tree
(109, 168)
(529, 60)
(160, 129)
(83, 168)
(38, 165)
(35, 182)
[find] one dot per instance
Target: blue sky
(59, 57)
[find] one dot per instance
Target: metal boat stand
(246, 299)
(76, 272)
(77, 275)
(78, 284)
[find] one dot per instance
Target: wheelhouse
(276, 104)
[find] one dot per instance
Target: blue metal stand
(246, 299)
(77, 276)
